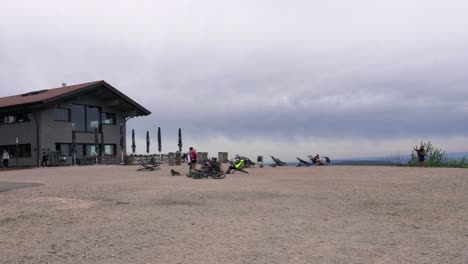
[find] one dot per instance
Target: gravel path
(336, 214)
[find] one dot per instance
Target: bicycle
(210, 168)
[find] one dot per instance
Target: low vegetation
(436, 158)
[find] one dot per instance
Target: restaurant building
(50, 118)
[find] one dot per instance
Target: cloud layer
(280, 72)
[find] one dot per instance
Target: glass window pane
(14, 119)
(27, 150)
(109, 150)
(79, 150)
(61, 114)
(108, 118)
(78, 117)
(65, 149)
(21, 150)
(93, 116)
(91, 150)
(12, 150)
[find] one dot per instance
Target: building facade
(47, 119)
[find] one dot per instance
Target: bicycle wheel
(199, 175)
(218, 175)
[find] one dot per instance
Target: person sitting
(214, 165)
(317, 160)
(237, 167)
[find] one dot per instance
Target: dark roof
(48, 96)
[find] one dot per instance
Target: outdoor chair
(260, 161)
(312, 159)
(248, 162)
(147, 165)
(239, 166)
(278, 162)
(320, 161)
(303, 163)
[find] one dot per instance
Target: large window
(83, 150)
(62, 114)
(66, 149)
(79, 151)
(10, 119)
(85, 118)
(23, 151)
(91, 150)
(93, 118)
(109, 150)
(63, 149)
(78, 117)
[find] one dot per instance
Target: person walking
(421, 152)
(193, 158)
(5, 158)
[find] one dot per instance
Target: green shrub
(436, 158)
(453, 163)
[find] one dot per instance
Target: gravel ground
(336, 214)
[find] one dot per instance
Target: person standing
(5, 158)
(45, 157)
(421, 152)
(193, 158)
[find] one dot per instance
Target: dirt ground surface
(335, 214)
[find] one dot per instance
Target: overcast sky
(348, 78)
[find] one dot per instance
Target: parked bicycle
(210, 168)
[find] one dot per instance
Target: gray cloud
(280, 70)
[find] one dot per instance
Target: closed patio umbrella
(96, 143)
(102, 141)
(73, 147)
(122, 132)
(180, 140)
(159, 143)
(96, 139)
(122, 146)
(147, 142)
(133, 141)
(159, 140)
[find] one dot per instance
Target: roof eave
(21, 108)
(140, 110)
(144, 111)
